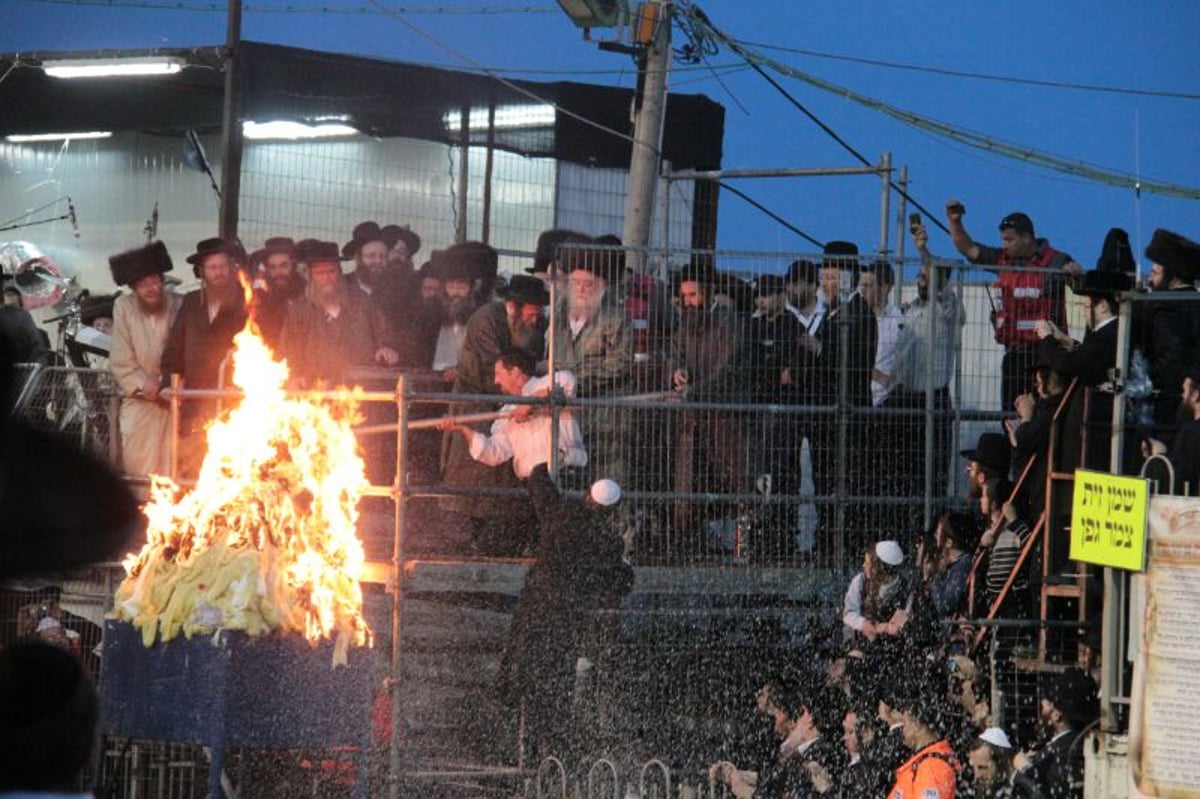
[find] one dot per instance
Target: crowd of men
(825, 378)
(785, 370)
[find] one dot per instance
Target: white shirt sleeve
(492, 450)
(852, 604)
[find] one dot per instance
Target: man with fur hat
(593, 339)
(334, 327)
(546, 254)
(1024, 297)
(142, 320)
(280, 283)
(1167, 332)
(201, 338)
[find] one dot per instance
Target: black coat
(1057, 767)
(196, 347)
(580, 568)
(862, 335)
(1091, 361)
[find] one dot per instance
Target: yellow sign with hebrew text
(1108, 520)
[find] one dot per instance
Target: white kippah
(605, 492)
(889, 552)
(996, 737)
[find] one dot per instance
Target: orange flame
(266, 538)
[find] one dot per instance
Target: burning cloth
(265, 540)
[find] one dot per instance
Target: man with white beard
(141, 322)
(593, 339)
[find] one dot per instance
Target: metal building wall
(592, 201)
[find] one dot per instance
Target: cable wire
(504, 81)
(955, 73)
(992, 144)
(263, 8)
(770, 213)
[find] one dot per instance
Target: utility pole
(650, 111)
(231, 126)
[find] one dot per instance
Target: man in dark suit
(845, 349)
(1091, 360)
(202, 336)
(579, 569)
(1067, 707)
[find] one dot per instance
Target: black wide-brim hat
(215, 246)
(1074, 694)
(60, 508)
(273, 246)
(525, 289)
(313, 251)
(132, 265)
(470, 260)
(1173, 251)
(1103, 283)
(392, 234)
(992, 450)
(364, 233)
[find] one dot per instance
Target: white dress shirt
(528, 443)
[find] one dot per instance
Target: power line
(981, 141)
(262, 8)
(703, 18)
(770, 213)
(955, 73)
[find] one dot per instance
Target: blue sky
(1144, 46)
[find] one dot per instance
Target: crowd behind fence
(779, 458)
(763, 460)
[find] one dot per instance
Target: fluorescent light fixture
(292, 131)
(28, 137)
(112, 67)
(507, 116)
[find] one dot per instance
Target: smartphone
(957, 208)
(913, 221)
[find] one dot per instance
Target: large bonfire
(265, 540)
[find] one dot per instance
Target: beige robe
(137, 347)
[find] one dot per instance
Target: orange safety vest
(929, 774)
(1024, 300)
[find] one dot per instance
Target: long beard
(520, 334)
(325, 295)
(458, 310)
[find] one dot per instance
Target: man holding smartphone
(1030, 287)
